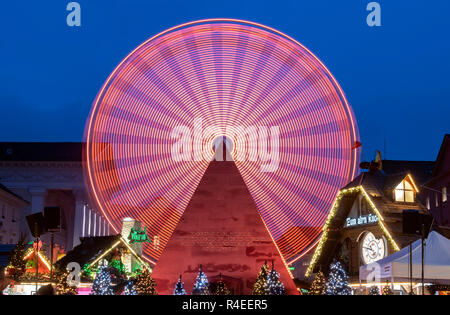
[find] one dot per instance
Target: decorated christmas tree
(221, 287)
(387, 290)
(17, 264)
(179, 288)
(318, 285)
(273, 285)
(129, 289)
(102, 283)
(337, 283)
(258, 287)
(374, 290)
(144, 283)
(64, 286)
(201, 285)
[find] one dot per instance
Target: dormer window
(404, 192)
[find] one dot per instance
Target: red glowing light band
(228, 73)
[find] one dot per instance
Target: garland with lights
(144, 283)
(31, 277)
(102, 284)
(201, 285)
(179, 288)
(337, 283)
(331, 216)
(318, 285)
(258, 287)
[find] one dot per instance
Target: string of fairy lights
(333, 212)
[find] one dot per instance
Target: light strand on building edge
(324, 238)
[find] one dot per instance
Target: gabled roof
(30, 254)
(375, 186)
(379, 187)
(91, 249)
(392, 181)
(88, 249)
(379, 184)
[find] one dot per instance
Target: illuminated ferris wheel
(221, 72)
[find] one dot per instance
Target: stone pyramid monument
(221, 230)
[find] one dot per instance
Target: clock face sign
(372, 248)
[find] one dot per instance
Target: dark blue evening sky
(396, 77)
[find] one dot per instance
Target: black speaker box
(36, 223)
(413, 221)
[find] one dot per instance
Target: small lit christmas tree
(221, 287)
(179, 288)
(337, 283)
(129, 289)
(144, 283)
(201, 285)
(273, 285)
(102, 283)
(17, 264)
(258, 287)
(318, 285)
(63, 286)
(387, 290)
(374, 290)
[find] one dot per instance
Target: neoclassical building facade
(51, 174)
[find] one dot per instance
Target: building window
(444, 194)
(404, 192)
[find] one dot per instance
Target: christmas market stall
(29, 268)
(106, 266)
(396, 268)
(365, 223)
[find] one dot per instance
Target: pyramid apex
(222, 147)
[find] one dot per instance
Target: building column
(99, 225)
(87, 222)
(93, 223)
(78, 228)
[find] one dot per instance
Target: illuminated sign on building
(138, 236)
(361, 220)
